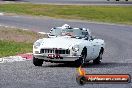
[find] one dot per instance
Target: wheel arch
(102, 49)
(84, 50)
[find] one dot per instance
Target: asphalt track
(117, 58)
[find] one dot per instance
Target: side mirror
(51, 36)
(92, 37)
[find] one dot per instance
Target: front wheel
(98, 59)
(37, 62)
(82, 59)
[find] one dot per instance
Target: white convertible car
(67, 44)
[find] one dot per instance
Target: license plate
(53, 56)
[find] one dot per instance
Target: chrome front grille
(55, 51)
(47, 51)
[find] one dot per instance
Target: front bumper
(63, 58)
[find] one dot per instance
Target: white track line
(12, 59)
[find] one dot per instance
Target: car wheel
(98, 59)
(37, 62)
(82, 59)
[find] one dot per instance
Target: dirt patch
(18, 35)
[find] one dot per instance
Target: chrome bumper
(63, 58)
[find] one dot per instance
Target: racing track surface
(117, 57)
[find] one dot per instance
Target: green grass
(8, 48)
(16, 41)
(112, 14)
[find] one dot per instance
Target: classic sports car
(67, 44)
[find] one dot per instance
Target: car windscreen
(75, 32)
(55, 32)
(68, 32)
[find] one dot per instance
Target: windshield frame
(73, 32)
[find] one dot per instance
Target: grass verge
(16, 41)
(9, 48)
(112, 14)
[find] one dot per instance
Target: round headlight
(36, 45)
(75, 48)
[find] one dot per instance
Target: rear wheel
(98, 59)
(37, 62)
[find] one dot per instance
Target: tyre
(82, 59)
(98, 59)
(37, 62)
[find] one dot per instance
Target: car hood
(60, 42)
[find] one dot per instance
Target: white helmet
(65, 26)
